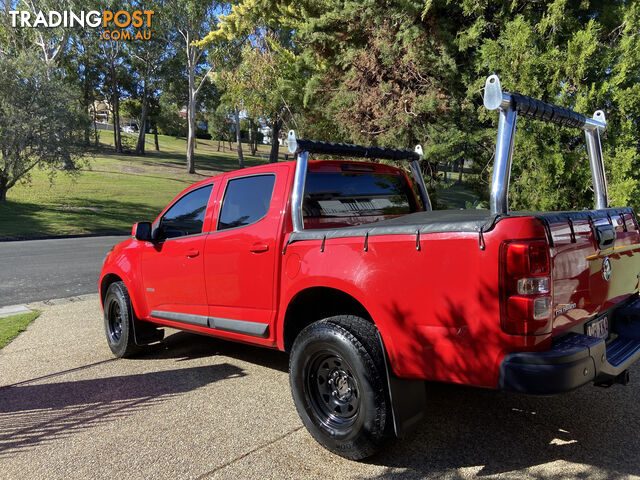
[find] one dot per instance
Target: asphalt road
(198, 408)
(34, 270)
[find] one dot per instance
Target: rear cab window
(356, 195)
(246, 200)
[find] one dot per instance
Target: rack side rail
(510, 106)
(303, 147)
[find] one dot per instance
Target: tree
(268, 81)
(398, 72)
(192, 20)
(220, 124)
(580, 55)
(131, 109)
(39, 126)
(82, 67)
(226, 59)
(148, 58)
(113, 56)
(168, 118)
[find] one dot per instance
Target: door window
(186, 216)
(246, 201)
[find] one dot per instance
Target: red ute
(345, 265)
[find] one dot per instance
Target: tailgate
(595, 259)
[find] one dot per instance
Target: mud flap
(408, 399)
(145, 333)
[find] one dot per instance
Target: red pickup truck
(345, 265)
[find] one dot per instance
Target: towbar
(513, 104)
(302, 148)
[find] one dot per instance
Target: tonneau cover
(439, 221)
(423, 222)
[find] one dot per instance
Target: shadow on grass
(209, 162)
(205, 160)
(20, 220)
(183, 181)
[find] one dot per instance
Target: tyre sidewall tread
(125, 346)
(368, 432)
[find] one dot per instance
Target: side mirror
(142, 231)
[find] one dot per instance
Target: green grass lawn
(113, 190)
(11, 326)
(455, 196)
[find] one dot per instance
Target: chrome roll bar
(297, 196)
(302, 148)
(512, 104)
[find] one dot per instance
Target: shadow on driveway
(466, 432)
(493, 432)
(183, 346)
(31, 414)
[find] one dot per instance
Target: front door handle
(193, 253)
(259, 247)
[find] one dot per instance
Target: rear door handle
(193, 253)
(259, 247)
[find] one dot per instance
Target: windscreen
(349, 197)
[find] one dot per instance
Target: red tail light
(525, 287)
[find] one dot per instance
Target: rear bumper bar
(576, 360)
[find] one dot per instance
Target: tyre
(118, 321)
(338, 383)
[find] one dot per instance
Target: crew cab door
(173, 267)
(242, 255)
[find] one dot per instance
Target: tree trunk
(87, 130)
(218, 145)
(115, 105)
(461, 168)
(191, 122)
(67, 163)
(143, 122)
(239, 139)
(117, 140)
(275, 134)
(4, 182)
(95, 126)
(155, 136)
(253, 137)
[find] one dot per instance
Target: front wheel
(118, 321)
(338, 385)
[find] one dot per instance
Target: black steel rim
(333, 390)
(115, 321)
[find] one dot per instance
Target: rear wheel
(338, 384)
(118, 321)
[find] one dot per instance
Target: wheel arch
(105, 283)
(315, 303)
(112, 277)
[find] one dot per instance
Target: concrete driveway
(194, 407)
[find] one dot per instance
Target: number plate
(599, 327)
